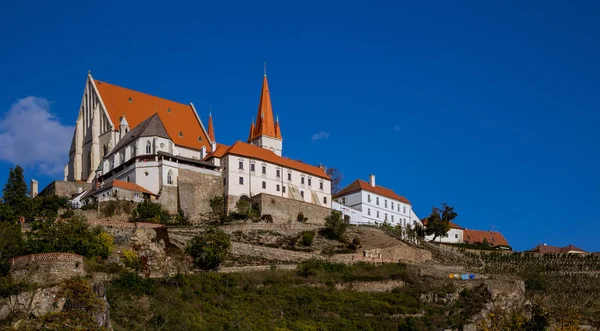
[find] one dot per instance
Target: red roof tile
(477, 237)
(221, 149)
(542, 248)
(176, 117)
(359, 185)
(265, 124)
(130, 186)
(247, 150)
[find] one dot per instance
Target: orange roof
(265, 125)
(221, 149)
(247, 150)
(358, 185)
(477, 237)
(452, 224)
(179, 119)
(543, 248)
(130, 186)
(211, 129)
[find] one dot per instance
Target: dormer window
(129, 100)
(199, 138)
(168, 110)
(180, 134)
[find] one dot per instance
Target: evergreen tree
(15, 192)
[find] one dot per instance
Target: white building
(454, 236)
(377, 204)
(119, 190)
(101, 125)
(258, 167)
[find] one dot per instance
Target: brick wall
(195, 191)
(47, 268)
(63, 188)
(283, 210)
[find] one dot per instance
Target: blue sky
(491, 107)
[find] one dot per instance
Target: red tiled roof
(130, 186)
(359, 185)
(477, 237)
(452, 224)
(541, 248)
(221, 149)
(256, 152)
(176, 117)
(265, 124)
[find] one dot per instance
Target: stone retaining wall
(285, 210)
(65, 189)
(195, 191)
(123, 231)
(47, 268)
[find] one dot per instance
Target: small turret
(123, 127)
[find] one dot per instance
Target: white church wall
(454, 236)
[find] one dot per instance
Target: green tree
(209, 249)
(149, 212)
(69, 236)
(47, 206)
(486, 244)
(15, 192)
(11, 243)
(438, 222)
(335, 225)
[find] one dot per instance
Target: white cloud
(319, 136)
(33, 137)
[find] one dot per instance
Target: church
(125, 136)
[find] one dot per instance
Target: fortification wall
(123, 231)
(286, 211)
(47, 268)
(195, 191)
(168, 198)
(63, 188)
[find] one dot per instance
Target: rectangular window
(241, 165)
(278, 173)
(277, 187)
(456, 236)
(302, 193)
(283, 189)
(369, 211)
(264, 169)
(289, 176)
(264, 185)
(378, 214)
(309, 182)
(302, 180)
(369, 197)
(252, 167)
(392, 205)
(325, 200)
(321, 185)
(405, 209)
(377, 201)
(241, 180)
(385, 203)
(392, 218)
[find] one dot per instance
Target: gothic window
(148, 148)
(170, 177)
(133, 150)
(128, 179)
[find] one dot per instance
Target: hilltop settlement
(156, 225)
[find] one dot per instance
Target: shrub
(181, 218)
(308, 237)
(131, 259)
(79, 295)
(247, 208)
(90, 206)
(151, 212)
(335, 226)
(209, 249)
(217, 205)
(301, 218)
(69, 236)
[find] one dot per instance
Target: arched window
(128, 179)
(170, 177)
(148, 148)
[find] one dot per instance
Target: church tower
(266, 133)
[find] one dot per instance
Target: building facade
(377, 204)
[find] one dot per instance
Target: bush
(150, 212)
(47, 206)
(181, 218)
(308, 237)
(247, 208)
(301, 218)
(131, 259)
(217, 205)
(335, 226)
(90, 206)
(209, 249)
(69, 236)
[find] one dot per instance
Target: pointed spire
(265, 125)
(277, 128)
(211, 129)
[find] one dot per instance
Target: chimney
(372, 180)
(202, 152)
(33, 188)
(213, 146)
